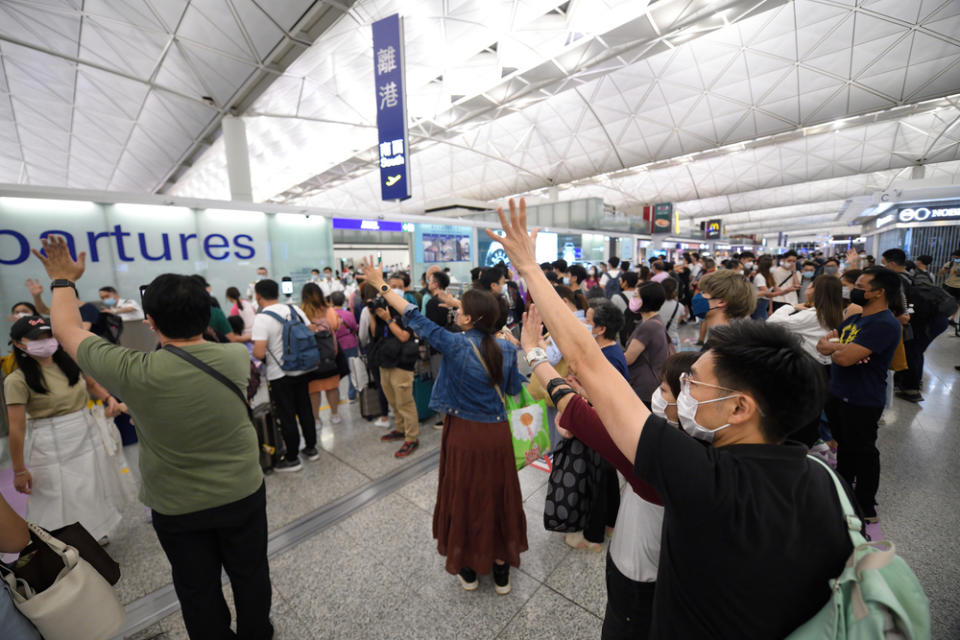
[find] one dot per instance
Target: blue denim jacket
(462, 387)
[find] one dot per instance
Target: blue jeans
(352, 352)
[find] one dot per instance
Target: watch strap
(384, 287)
(60, 283)
(553, 384)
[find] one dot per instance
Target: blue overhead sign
(371, 225)
(388, 73)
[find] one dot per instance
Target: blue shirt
(462, 387)
(614, 355)
(866, 384)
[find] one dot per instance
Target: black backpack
(112, 327)
(630, 320)
(929, 301)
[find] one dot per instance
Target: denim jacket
(462, 388)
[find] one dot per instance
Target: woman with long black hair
(67, 477)
(478, 520)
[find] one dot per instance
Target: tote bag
(528, 424)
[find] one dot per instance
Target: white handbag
(79, 605)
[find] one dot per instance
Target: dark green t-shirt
(198, 449)
(219, 323)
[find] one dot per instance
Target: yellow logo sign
(392, 180)
(849, 334)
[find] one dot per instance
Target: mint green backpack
(876, 596)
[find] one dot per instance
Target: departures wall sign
(928, 214)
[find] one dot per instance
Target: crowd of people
(793, 354)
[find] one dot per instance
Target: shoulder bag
(79, 605)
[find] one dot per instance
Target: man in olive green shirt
(198, 449)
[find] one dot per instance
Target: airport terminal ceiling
(769, 114)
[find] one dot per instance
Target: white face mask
(399, 292)
(22, 314)
(748, 264)
(658, 405)
(845, 293)
(687, 412)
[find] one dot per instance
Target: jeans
(232, 537)
(911, 379)
(855, 429)
(397, 384)
(352, 352)
(292, 397)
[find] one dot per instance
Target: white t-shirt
(248, 314)
(330, 286)
(612, 273)
(783, 278)
(805, 325)
(759, 281)
(665, 313)
(635, 547)
(130, 316)
(271, 330)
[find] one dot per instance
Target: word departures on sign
(922, 214)
(371, 225)
(388, 73)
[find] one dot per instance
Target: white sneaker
(336, 419)
(382, 421)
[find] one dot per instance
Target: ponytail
(493, 358)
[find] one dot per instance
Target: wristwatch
(62, 282)
(536, 356)
(384, 287)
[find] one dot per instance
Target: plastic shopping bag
(528, 424)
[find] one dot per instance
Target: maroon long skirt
(479, 513)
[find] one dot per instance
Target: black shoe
(311, 453)
(910, 396)
(468, 579)
(288, 466)
(501, 579)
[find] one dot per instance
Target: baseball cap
(31, 328)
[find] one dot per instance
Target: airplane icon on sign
(392, 180)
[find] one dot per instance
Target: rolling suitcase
(422, 389)
(269, 436)
(371, 406)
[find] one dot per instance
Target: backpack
(630, 320)
(876, 595)
(612, 287)
(300, 350)
(112, 327)
(326, 339)
(929, 302)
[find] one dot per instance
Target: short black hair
(108, 289)
(896, 256)
(885, 279)
(595, 293)
(551, 276)
(488, 277)
(546, 267)
(475, 274)
(629, 278)
(560, 265)
(614, 262)
(674, 365)
(670, 286)
(337, 298)
(441, 278)
(925, 260)
(236, 323)
(624, 265)
(28, 305)
(789, 254)
(328, 269)
(652, 295)
(757, 357)
(809, 263)
(747, 254)
(578, 272)
(317, 270)
(833, 260)
(267, 289)
(608, 315)
(179, 305)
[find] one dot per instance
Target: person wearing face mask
(747, 261)
(478, 520)
(649, 345)
(787, 280)
(315, 276)
(64, 475)
(831, 267)
(807, 273)
(847, 282)
(251, 294)
(860, 351)
(575, 277)
(126, 310)
(329, 284)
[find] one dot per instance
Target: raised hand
(58, 262)
(34, 287)
(531, 330)
(519, 245)
(372, 272)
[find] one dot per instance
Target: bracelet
(559, 395)
(21, 473)
(537, 363)
(553, 384)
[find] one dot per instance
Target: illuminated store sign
(923, 214)
(388, 73)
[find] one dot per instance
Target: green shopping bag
(528, 424)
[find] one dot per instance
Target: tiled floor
(377, 574)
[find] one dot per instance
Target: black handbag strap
(213, 373)
(785, 280)
(673, 315)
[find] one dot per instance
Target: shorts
(953, 291)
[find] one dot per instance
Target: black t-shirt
(90, 313)
(437, 314)
(751, 536)
(866, 384)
